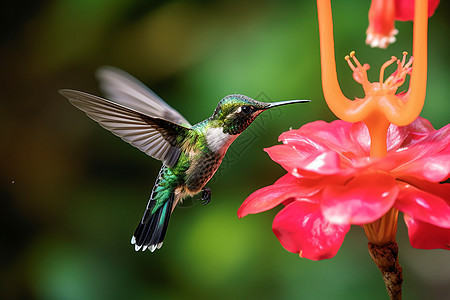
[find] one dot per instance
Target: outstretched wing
(158, 138)
(126, 90)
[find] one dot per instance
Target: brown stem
(386, 259)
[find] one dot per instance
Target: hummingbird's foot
(206, 196)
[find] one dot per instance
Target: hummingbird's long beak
(275, 104)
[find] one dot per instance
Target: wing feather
(156, 137)
(126, 90)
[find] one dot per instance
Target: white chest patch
(217, 140)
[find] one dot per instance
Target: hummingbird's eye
(246, 109)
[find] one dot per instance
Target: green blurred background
(72, 193)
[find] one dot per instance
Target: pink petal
(360, 135)
(426, 236)
(422, 136)
(404, 9)
(301, 228)
(423, 154)
(421, 127)
(423, 206)
(334, 133)
(395, 137)
(323, 136)
(283, 189)
(296, 160)
(362, 200)
(269, 197)
(441, 190)
(434, 168)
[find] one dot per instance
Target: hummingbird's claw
(206, 196)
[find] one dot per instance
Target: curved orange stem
(336, 101)
(407, 113)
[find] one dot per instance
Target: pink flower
(382, 15)
(332, 183)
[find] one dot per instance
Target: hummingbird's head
(236, 112)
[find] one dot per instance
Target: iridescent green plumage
(191, 154)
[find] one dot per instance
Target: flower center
(382, 87)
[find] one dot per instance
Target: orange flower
(382, 16)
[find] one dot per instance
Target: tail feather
(152, 229)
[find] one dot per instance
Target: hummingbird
(190, 154)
